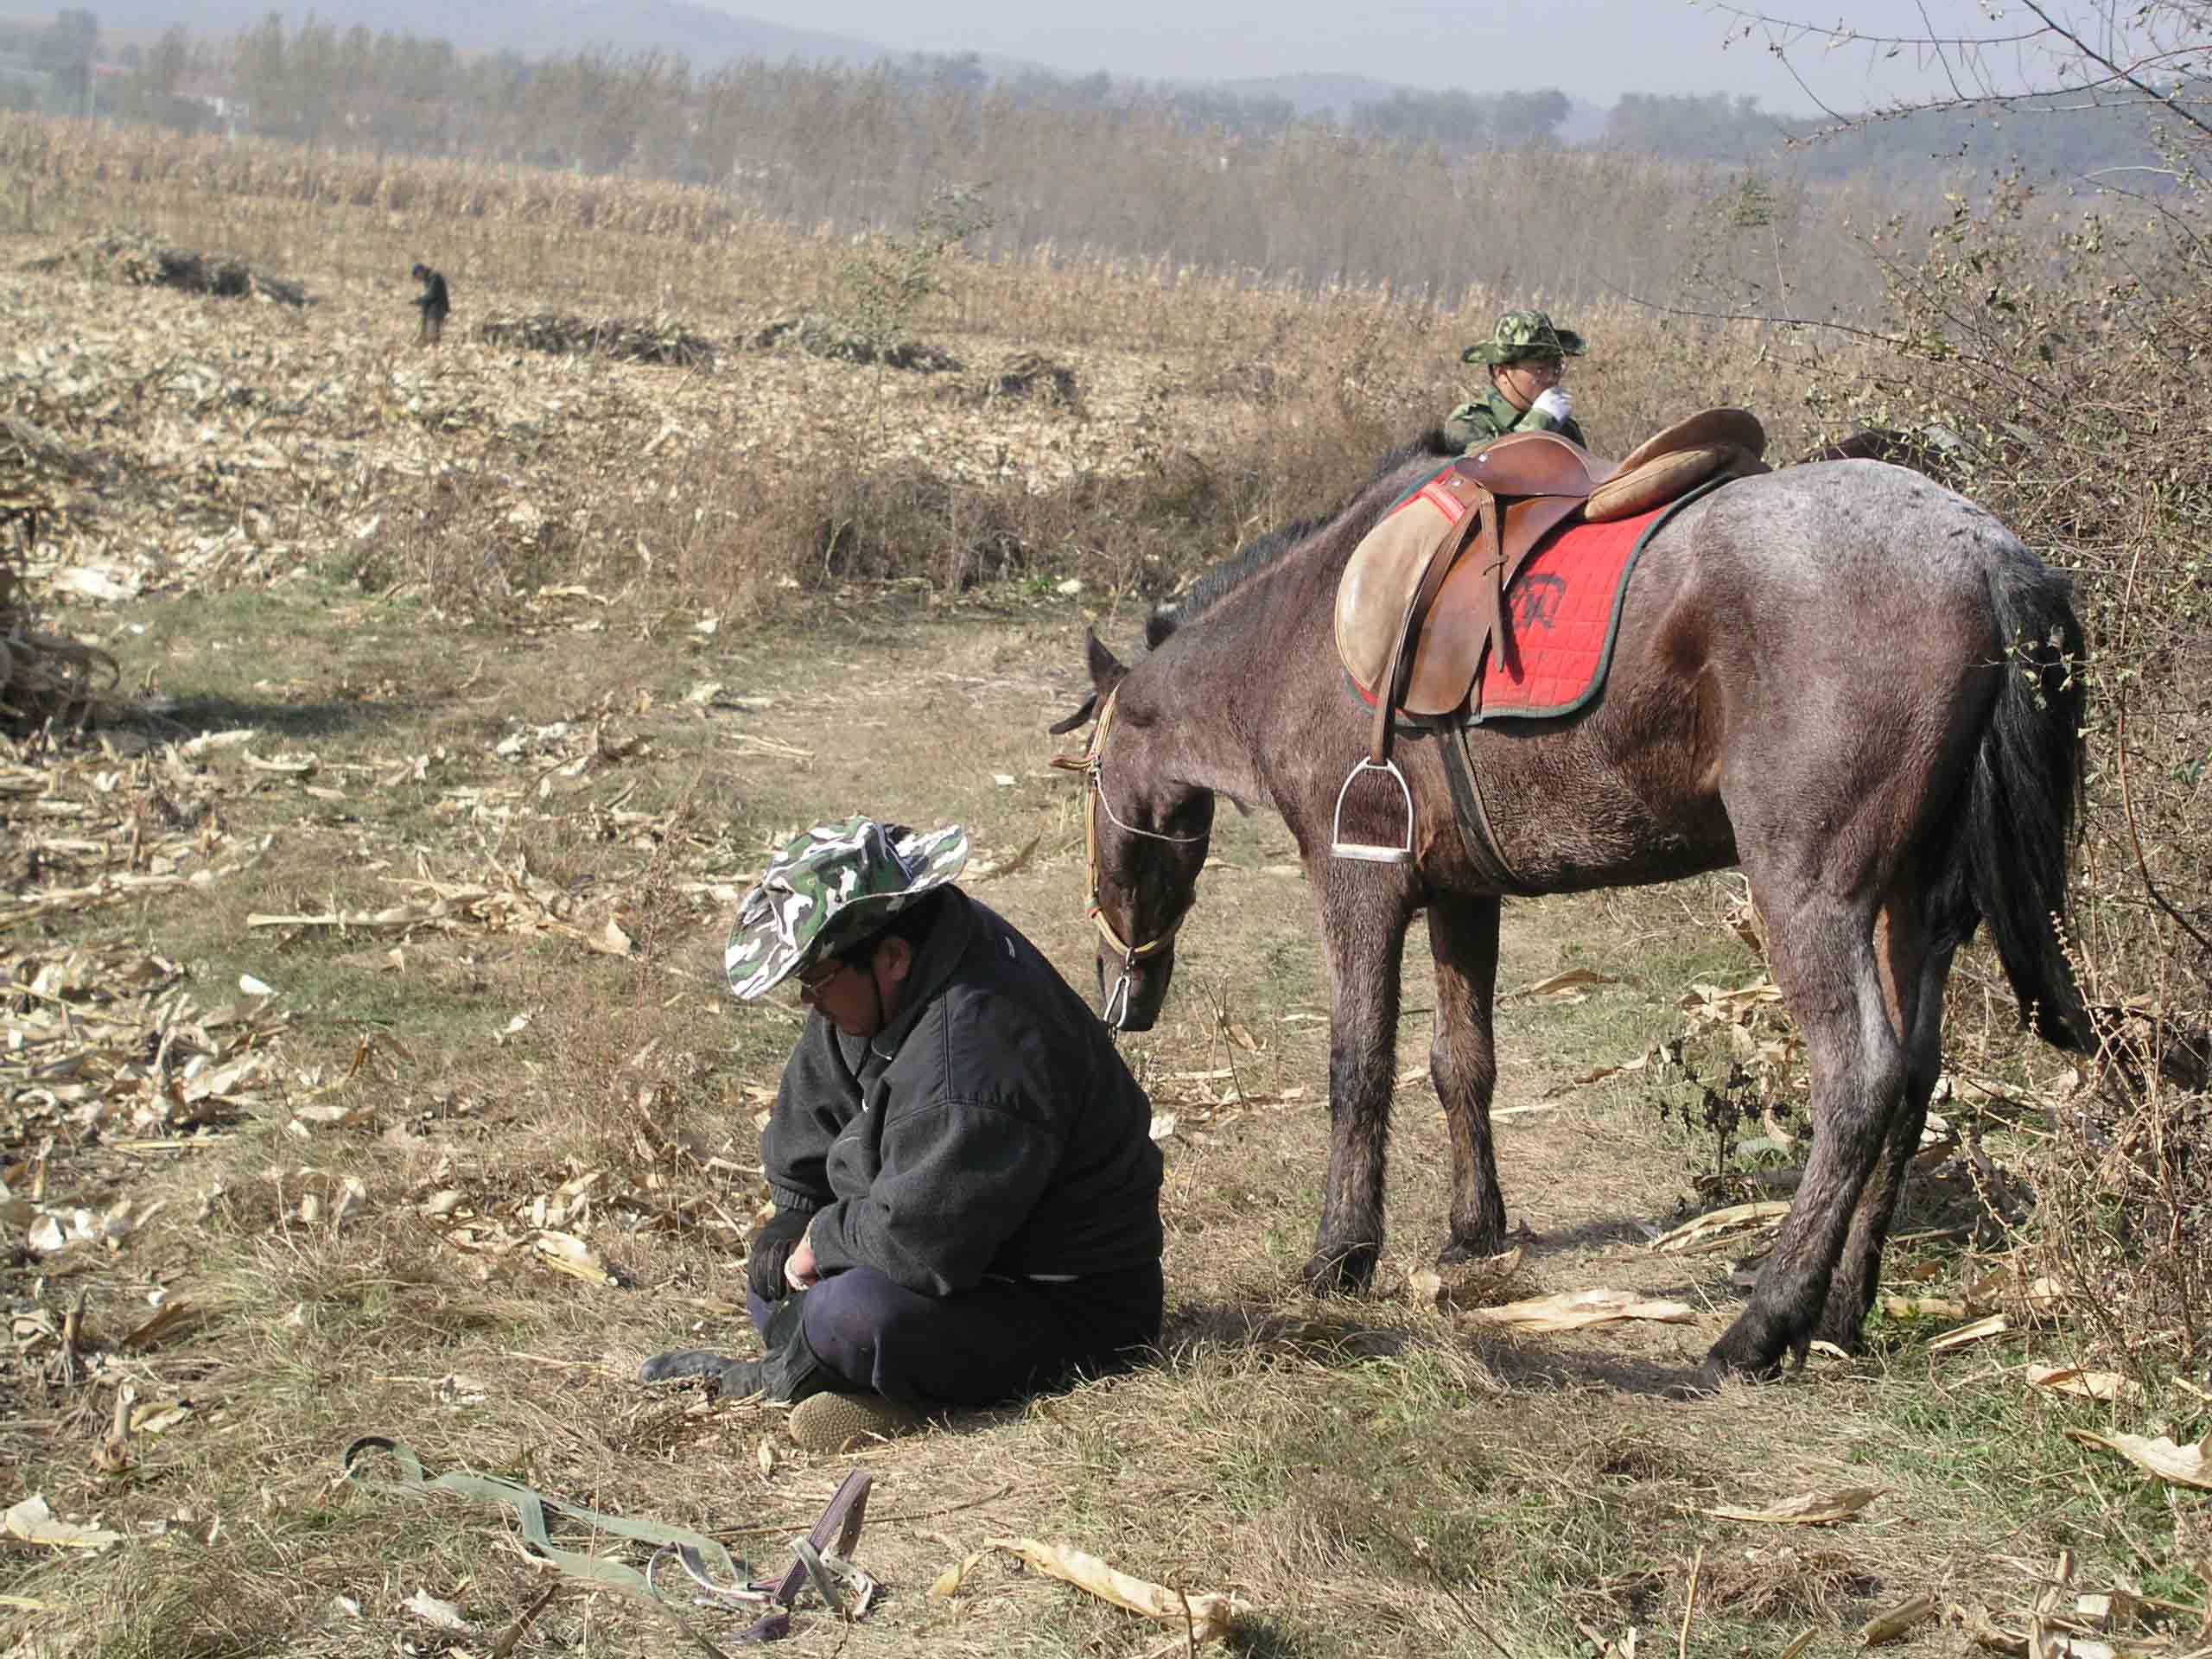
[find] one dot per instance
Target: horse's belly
(1575, 809)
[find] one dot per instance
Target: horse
(1852, 682)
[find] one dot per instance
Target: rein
(1090, 764)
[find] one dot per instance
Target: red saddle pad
(1561, 615)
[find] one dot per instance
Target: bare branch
(1948, 74)
(1841, 36)
(2094, 56)
(2078, 69)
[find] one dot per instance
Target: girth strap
(1476, 835)
(529, 1508)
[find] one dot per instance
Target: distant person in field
(435, 302)
(1526, 356)
(966, 1192)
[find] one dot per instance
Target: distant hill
(707, 38)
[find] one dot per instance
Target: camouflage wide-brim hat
(827, 889)
(1523, 334)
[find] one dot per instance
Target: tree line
(319, 84)
(1072, 163)
(2043, 136)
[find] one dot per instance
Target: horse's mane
(1254, 557)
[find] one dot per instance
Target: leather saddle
(1423, 595)
(1467, 532)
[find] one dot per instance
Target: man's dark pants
(1002, 1339)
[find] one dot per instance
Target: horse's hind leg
(1823, 959)
(1913, 976)
(1463, 1063)
(1365, 933)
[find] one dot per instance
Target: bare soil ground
(386, 1042)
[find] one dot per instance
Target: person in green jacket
(1526, 355)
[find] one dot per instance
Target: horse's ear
(1106, 672)
(1062, 728)
(1106, 668)
(1159, 627)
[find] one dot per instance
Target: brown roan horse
(1854, 683)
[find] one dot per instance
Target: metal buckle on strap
(1117, 1000)
(695, 1567)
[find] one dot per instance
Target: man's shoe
(727, 1378)
(835, 1422)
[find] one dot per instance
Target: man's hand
(798, 1271)
(771, 1248)
(1554, 403)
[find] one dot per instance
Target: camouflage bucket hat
(827, 889)
(1523, 334)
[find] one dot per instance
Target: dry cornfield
(368, 1070)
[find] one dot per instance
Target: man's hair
(913, 925)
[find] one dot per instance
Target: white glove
(1555, 403)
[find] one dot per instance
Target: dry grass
(1371, 1477)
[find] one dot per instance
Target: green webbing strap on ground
(532, 1507)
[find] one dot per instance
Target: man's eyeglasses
(814, 978)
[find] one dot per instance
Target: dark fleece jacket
(989, 1130)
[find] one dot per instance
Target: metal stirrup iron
(1372, 852)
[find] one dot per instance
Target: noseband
(1088, 763)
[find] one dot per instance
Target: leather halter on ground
(1416, 611)
(1094, 789)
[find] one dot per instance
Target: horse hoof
(1701, 1384)
(1457, 1253)
(1843, 1320)
(1738, 1354)
(1340, 1273)
(1850, 1336)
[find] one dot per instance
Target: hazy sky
(1592, 49)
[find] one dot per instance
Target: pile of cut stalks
(47, 681)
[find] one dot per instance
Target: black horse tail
(2015, 837)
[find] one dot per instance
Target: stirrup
(1372, 852)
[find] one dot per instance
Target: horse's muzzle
(1129, 994)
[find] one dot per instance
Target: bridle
(1089, 763)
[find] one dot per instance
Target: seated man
(967, 1192)
(1526, 357)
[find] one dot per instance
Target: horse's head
(1144, 840)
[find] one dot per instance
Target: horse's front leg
(1463, 1063)
(1364, 930)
